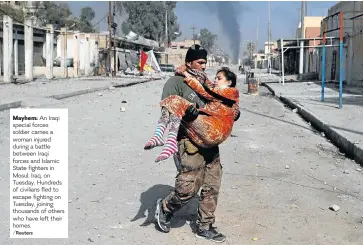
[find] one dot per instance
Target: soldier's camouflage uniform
(200, 168)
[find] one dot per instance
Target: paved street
(280, 176)
(346, 121)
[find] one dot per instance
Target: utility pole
(193, 28)
(114, 42)
(166, 25)
(302, 35)
(110, 33)
(256, 46)
(269, 47)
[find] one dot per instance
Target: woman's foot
(169, 149)
(157, 139)
(154, 142)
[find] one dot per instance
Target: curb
(18, 104)
(7, 106)
(92, 90)
(347, 146)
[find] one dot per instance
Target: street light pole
(269, 47)
(302, 35)
(166, 26)
(114, 42)
(110, 34)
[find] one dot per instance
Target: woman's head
(225, 77)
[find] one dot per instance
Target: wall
(183, 44)
(355, 40)
(82, 50)
(309, 21)
(38, 47)
(352, 55)
(273, 45)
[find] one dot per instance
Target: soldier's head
(196, 58)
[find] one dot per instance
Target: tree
(251, 47)
(51, 13)
(85, 20)
(148, 19)
(16, 14)
(207, 39)
(173, 25)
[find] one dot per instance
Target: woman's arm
(197, 86)
(211, 93)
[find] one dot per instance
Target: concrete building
(272, 45)
(17, 59)
(353, 44)
(311, 55)
(88, 53)
(39, 37)
(312, 26)
(183, 44)
(62, 53)
(175, 54)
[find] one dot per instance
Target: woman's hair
(230, 76)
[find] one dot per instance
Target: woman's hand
(186, 74)
(181, 69)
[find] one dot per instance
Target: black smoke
(228, 14)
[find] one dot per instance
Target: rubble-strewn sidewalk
(43, 91)
(343, 126)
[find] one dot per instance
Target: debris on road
(334, 207)
(294, 206)
(116, 227)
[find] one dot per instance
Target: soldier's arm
(172, 87)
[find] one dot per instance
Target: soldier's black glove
(190, 114)
(237, 116)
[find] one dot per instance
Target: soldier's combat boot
(210, 234)
(163, 218)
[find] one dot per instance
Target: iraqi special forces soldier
(199, 168)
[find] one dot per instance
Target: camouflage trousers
(198, 171)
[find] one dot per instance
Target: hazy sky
(284, 17)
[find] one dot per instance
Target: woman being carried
(215, 121)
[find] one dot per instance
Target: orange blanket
(215, 127)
